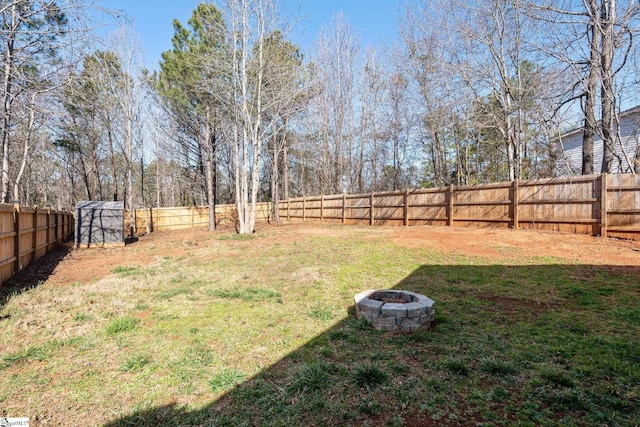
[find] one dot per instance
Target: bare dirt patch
(493, 245)
(502, 244)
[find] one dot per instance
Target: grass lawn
(217, 329)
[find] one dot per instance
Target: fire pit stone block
(369, 309)
(385, 323)
(391, 310)
(410, 324)
(415, 309)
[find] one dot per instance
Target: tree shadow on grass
(33, 274)
(534, 344)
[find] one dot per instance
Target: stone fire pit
(390, 310)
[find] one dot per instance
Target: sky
(375, 21)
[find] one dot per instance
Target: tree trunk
(209, 142)
(158, 171)
(509, 135)
(439, 166)
(112, 156)
(285, 173)
(25, 154)
(607, 96)
(275, 180)
(6, 105)
(211, 193)
(510, 161)
(590, 122)
(129, 142)
(95, 165)
(85, 178)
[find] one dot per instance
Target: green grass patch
(245, 294)
(557, 377)
(628, 314)
(124, 324)
(312, 376)
(239, 237)
(225, 379)
(497, 367)
(201, 355)
(25, 354)
(81, 317)
(172, 292)
(457, 367)
(321, 312)
(369, 376)
(129, 271)
(370, 407)
(135, 363)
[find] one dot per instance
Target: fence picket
(23, 239)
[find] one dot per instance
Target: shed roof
(88, 204)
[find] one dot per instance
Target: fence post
(304, 208)
(450, 206)
(48, 227)
(322, 207)
(405, 213)
(514, 204)
(288, 215)
(67, 227)
(16, 245)
(344, 207)
(371, 209)
(56, 234)
(34, 240)
(151, 217)
(603, 205)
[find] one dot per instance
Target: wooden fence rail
(27, 233)
(574, 205)
(606, 205)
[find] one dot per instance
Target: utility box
(99, 224)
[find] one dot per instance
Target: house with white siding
(627, 145)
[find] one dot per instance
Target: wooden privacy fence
(160, 219)
(27, 233)
(607, 205)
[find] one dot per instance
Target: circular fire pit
(390, 310)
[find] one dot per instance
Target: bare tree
(494, 39)
(129, 95)
(251, 22)
(432, 81)
(338, 49)
(399, 123)
(33, 35)
(284, 84)
(373, 132)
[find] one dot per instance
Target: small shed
(99, 224)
